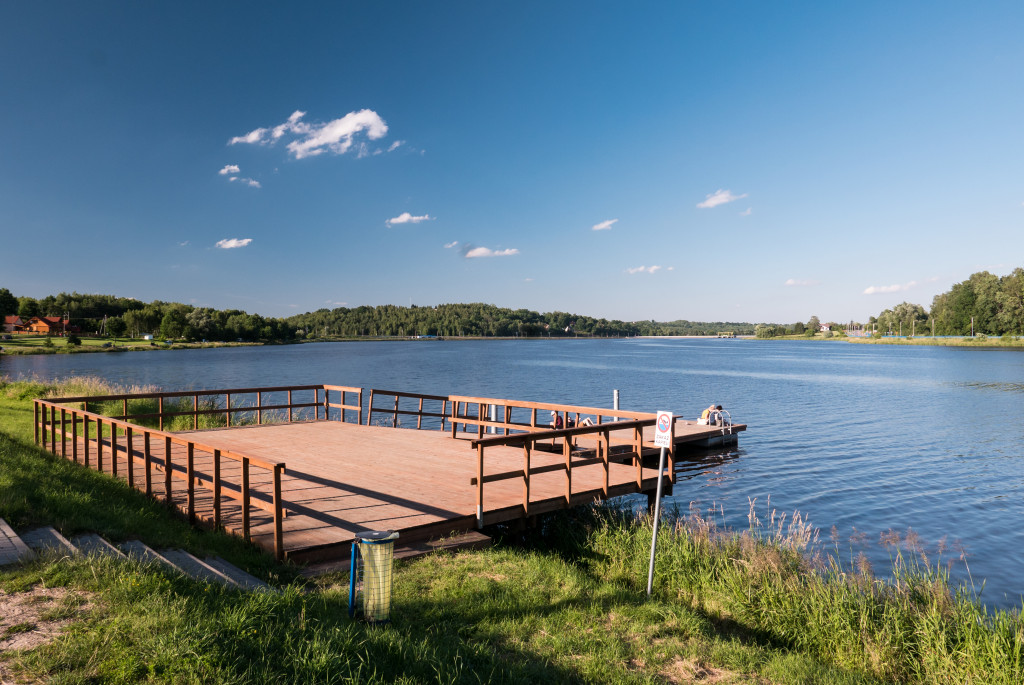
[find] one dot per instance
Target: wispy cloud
(183, 243)
(251, 182)
(528, 280)
(407, 218)
(231, 243)
(801, 283)
(747, 212)
(395, 145)
(229, 169)
(720, 197)
(644, 269)
(471, 252)
(310, 140)
(452, 244)
(897, 288)
(604, 225)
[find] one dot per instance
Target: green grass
(564, 603)
(37, 344)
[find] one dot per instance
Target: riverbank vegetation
(121, 318)
(562, 603)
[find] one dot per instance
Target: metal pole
(494, 418)
(657, 519)
(615, 402)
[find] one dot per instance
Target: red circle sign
(663, 423)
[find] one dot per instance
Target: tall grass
(912, 627)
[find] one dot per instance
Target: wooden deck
(337, 478)
(342, 478)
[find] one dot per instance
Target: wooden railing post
(604, 448)
(216, 489)
(638, 446)
(74, 436)
(63, 433)
(35, 418)
(124, 409)
(278, 514)
(85, 440)
(53, 429)
(168, 467)
(131, 458)
(526, 479)
(195, 412)
(479, 486)
(259, 408)
(245, 498)
(191, 475)
(289, 406)
(419, 415)
(113, 449)
(227, 407)
(149, 464)
(394, 417)
(567, 453)
(99, 445)
(160, 410)
(369, 409)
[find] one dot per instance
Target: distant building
(824, 327)
(13, 324)
(49, 325)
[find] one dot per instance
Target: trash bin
(373, 552)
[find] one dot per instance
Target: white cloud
(183, 243)
(896, 288)
(802, 283)
(452, 244)
(395, 145)
(604, 225)
(474, 252)
(314, 139)
(407, 218)
(644, 269)
(528, 280)
(229, 169)
(230, 243)
(246, 181)
(719, 197)
(747, 212)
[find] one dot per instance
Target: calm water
(864, 438)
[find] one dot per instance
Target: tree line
(119, 316)
(983, 304)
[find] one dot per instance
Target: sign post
(663, 439)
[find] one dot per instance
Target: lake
(868, 439)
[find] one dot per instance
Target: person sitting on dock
(705, 416)
(556, 420)
(718, 417)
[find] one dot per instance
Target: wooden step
(94, 545)
(47, 540)
(241, 578)
(13, 549)
(192, 566)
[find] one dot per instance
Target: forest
(983, 304)
(118, 316)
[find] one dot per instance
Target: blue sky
(743, 161)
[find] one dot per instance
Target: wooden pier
(301, 478)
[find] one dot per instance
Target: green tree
(8, 303)
(814, 323)
(116, 327)
(27, 308)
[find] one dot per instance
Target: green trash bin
(373, 553)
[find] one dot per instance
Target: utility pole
(972, 326)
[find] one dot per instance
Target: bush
(72, 340)
(827, 334)
(809, 333)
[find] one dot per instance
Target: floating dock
(301, 478)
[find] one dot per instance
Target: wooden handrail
(601, 455)
(395, 410)
(269, 503)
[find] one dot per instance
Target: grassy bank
(976, 341)
(41, 344)
(565, 604)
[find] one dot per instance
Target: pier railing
(407, 404)
(626, 447)
(110, 444)
(237, 406)
(511, 416)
